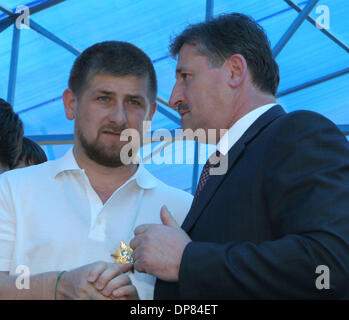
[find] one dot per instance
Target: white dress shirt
(240, 127)
(51, 218)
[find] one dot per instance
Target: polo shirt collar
(66, 163)
(144, 179)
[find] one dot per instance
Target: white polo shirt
(51, 218)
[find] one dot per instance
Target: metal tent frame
(40, 5)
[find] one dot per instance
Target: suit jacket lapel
(233, 155)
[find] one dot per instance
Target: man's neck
(104, 180)
(251, 102)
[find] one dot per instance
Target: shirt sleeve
(7, 226)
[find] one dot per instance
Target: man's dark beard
(98, 154)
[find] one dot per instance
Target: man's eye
(103, 99)
(136, 102)
(184, 76)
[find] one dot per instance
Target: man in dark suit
(275, 225)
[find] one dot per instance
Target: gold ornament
(123, 254)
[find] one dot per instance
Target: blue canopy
(35, 62)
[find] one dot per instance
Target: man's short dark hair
(31, 153)
(11, 135)
(228, 34)
(115, 58)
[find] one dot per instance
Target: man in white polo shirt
(63, 219)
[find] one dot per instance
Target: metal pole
(13, 66)
(156, 151)
(294, 26)
(209, 9)
(5, 23)
(324, 31)
(313, 82)
(169, 115)
(38, 28)
(6, 9)
(53, 139)
(44, 5)
(344, 128)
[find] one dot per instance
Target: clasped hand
(97, 281)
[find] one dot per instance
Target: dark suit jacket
(281, 210)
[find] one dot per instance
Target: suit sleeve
(306, 192)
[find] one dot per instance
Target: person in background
(31, 154)
(11, 135)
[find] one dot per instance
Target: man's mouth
(112, 133)
(183, 112)
(183, 109)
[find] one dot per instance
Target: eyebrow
(106, 92)
(111, 93)
(135, 96)
(181, 70)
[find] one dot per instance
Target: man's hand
(97, 281)
(113, 282)
(158, 249)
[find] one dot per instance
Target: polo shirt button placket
(98, 225)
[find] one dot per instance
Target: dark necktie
(205, 174)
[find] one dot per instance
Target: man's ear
(69, 101)
(237, 69)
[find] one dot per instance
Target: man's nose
(177, 96)
(118, 114)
